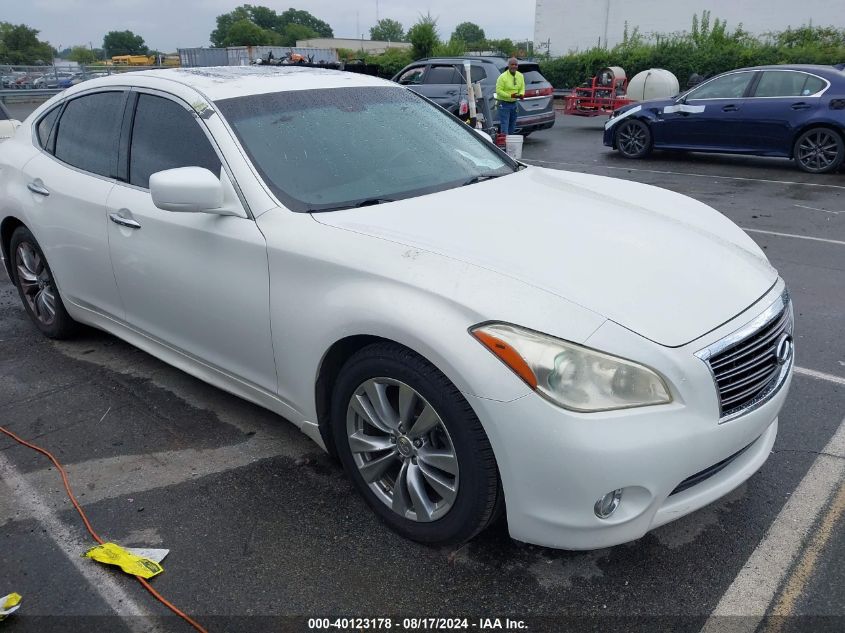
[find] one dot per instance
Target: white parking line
(803, 206)
(839, 380)
(800, 237)
(72, 546)
(685, 173)
(756, 585)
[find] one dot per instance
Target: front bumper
(556, 464)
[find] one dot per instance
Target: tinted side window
(780, 84)
(726, 87)
(45, 125)
(89, 132)
(412, 76)
(165, 136)
(477, 73)
(442, 75)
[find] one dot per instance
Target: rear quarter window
(45, 126)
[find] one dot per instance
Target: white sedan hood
(656, 262)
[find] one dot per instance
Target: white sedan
(8, 125)
(468, 334)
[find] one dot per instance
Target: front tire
(413, 446)
(819, 150)
(633, 139)
(37, 287)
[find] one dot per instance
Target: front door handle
(131, 224)
(40, 189)
(730, 108)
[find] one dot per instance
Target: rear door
(708, 117)
(780, 104)
(197, 281)
(68, 184)
(442, 84)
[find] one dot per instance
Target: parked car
(77, 78)
(795, 112)
(442, 79)
(8, 125)
(9, 80)
(51, 79)
(26, 80)
(607, 358)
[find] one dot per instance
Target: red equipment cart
(606, 92)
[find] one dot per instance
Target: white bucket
(513, 146)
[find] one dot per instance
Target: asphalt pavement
(265, 531)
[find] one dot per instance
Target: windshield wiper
(371, 201)
(361, 203)
(480, 178)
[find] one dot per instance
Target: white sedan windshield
(321, 150)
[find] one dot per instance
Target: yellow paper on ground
(113, 554)
(9, 604)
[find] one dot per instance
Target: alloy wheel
(818, 150)
(36, 283)
(632, 139)
(402, 449)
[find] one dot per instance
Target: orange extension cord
(91, 531)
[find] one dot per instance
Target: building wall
(580, 24)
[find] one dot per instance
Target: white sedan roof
(223, 82)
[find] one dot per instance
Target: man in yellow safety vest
(510, 86)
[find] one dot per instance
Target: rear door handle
(801, 106)
(131, 224)
(36, 187)
(730, 108)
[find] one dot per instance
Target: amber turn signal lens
(509, 356)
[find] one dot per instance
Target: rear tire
(819, 150)
(37, 287)
(437, 484)
(633, 139)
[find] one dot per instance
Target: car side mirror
(186, 190)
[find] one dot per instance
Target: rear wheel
(633, 139)
(413, 446)
(819, 150)
(37, 287)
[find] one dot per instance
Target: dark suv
(442, 80)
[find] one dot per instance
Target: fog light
(607, 504)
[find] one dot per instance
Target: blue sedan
(788, 111)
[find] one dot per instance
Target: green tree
(469, 33)
(423, 37)
(124, 43)
(19, 44)
(247, 33)
(293, 32)
(280, 30)
(303, 18)
(82, 55)
(503, 47)
(387, 30)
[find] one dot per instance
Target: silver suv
(442, 80)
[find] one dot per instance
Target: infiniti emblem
(783, 351)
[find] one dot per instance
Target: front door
(198, 282)
(710, 117)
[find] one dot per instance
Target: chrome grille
(751, 364)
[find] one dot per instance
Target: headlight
(572, 376)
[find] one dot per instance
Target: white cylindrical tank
(654, 83)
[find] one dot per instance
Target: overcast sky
(170, 24)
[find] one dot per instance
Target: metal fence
(33, 83)
(245, 55)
